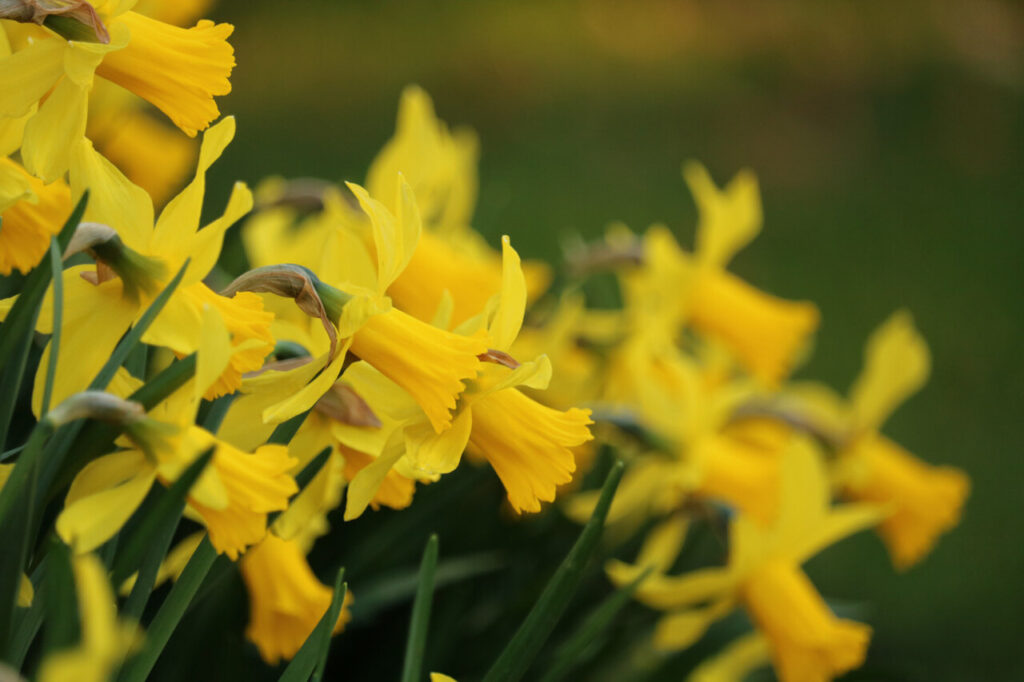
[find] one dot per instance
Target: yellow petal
(206, 246)
(736, 661)
(55, 130)
(102, 499)
(306, 397)
(508, 318)
(176, 227)
(896, 365)
(663, 543)
(113, 199)
(29, 74)
(729, 219)
(679, 630)
(95, 318)
(365, 484)
(214, 351)
(439, 453)
(395, 236)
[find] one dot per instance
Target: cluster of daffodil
(376, 338)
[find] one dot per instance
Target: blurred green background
(888, 140)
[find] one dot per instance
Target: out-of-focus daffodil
(452, 263)
(763, 575)
(924, 500)
(31, 213)
(286, 600)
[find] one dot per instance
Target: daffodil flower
(100, 307)
(452, 261)
(286, 601)
(179, 71)
(428, 363)
(232, 496)
(763, 575)
(924, 500)
(528, 444)
(31, 213)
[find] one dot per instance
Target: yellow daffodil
(106, 640)
(429, 363)
(673, 399)
(286, 599)
(763, 575)
(99, 306)
(178, 70)
(31, 213)
(924, 500)
(452, 262)
(528, 444)
(764, 332)
(233, 495)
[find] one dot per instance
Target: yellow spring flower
(924, 500)
(177, 70)
(763, 575)
(765, 333)
(688, 407)
(31, 213)
(105, 641)
(528, 444)
(233, 495)
(440, 167)
(99, 306)
(429, 363)
(286, 599)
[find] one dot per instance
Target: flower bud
(70, 19)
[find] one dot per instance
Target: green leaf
(524, 646)
(419, 623)
(286, 430)
(61, 606)
(147, 545)
(28, 621)
(156, 390)
(167, 618)
(396, 588)
(311, 657)
(212, 414)
(18, 518)
(578, 648)
(58, 314)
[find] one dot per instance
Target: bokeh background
(888, 140)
